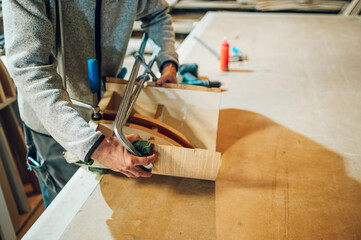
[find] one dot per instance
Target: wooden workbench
(290, 136)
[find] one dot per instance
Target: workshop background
(308, 103)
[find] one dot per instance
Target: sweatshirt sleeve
(158, 23)
(30, 38)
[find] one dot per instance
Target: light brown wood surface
(188, 163)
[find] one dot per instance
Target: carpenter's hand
(169, 74)
(113, 155)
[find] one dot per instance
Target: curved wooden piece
(162, 128)
(153, 124)
(106, 127)
(164, 140)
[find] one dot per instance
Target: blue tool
(94, 85)
(236, 51)
(122, 73)
(93, 74)
(189, 74)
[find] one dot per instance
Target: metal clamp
(130, 96)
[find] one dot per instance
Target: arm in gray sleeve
(30, 39)
(158, 23)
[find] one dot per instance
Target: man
(90, 29)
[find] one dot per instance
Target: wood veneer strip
(162, 128)
(185, 162)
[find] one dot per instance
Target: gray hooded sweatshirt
(32, 39)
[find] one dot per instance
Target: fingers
(167, 78)
(161, 80)
(126, 173)
(136, 172)
(141, 173)
(133, 137)
(143, 160)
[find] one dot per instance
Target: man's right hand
(112, 154)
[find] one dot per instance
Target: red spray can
(224, 58)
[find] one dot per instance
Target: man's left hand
(169, 74)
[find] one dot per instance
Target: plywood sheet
(275, 183)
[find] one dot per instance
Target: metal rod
(136, 93)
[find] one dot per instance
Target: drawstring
(98, 52)
(61, 51)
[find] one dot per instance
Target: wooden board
(6, 81)
(262, 5)
(15, 136)
(188, 163)
(12, 173)
(9, 198)
(7, 102)
(2, 94)
(7, 230)
(193, 111)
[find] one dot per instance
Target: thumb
(162, 80)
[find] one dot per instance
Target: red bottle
(224, 58)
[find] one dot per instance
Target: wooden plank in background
(9, 198)
(6, 81)
(12, 173)
(262, 5)
(6, 228)
(2, 94)
(15, 135)
(352, 9)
